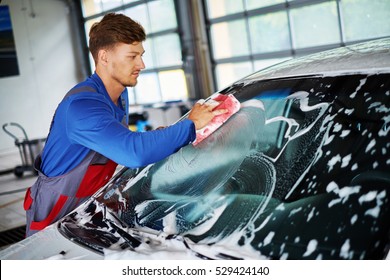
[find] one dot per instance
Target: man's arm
(90, 123)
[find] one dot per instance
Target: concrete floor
(12, 191)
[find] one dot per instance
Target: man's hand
(202, 113)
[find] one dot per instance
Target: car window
(301, 171)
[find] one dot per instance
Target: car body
(302, 171)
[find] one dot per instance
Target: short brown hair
(113, 29)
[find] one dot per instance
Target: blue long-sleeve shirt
(91, 121)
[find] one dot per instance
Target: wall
(45, 47)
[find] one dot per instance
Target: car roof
(363, 58)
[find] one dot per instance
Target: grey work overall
(51, 198)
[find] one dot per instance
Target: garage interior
(193, 49)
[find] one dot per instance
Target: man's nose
(141, 64)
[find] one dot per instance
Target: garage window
(259, 33)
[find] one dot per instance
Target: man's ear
(103, 56)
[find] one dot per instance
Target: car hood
(47, 244)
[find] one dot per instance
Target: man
(89, 136)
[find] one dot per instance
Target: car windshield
(301, 171)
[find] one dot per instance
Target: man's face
(125, 63)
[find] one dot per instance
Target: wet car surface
(302, 171)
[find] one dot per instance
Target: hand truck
(28, 149)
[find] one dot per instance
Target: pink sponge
(226, 102)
